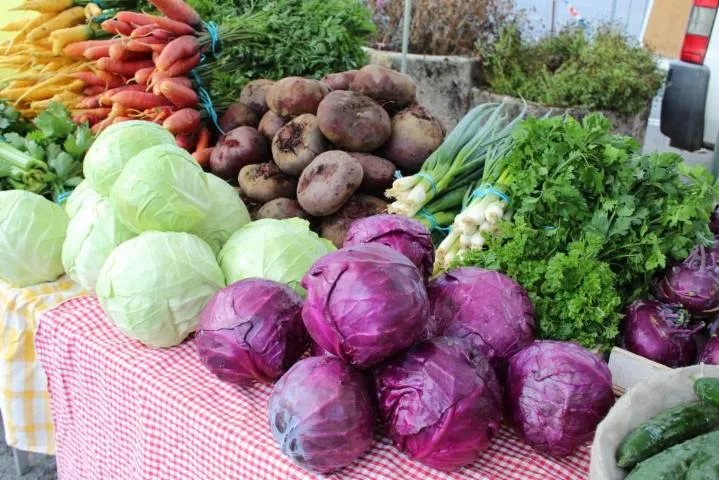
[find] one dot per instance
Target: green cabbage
(162, 188)
(115, 146)
(93, 233)
(32, 230)
(227, 214)
(154, 286)
(279, 250)
(82, 193)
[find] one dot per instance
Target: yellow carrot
(45, 6)
(15, 26)
(39, 90)
(65, 36)
(32, 24)
(92, 11)
(21, 83)
(68, 18)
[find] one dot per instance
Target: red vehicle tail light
(699, 30)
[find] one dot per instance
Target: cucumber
(671, 427)
(704, 467)
(675, 462)
(707, 389)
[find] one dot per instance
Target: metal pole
(614, 9)
(405, 34)
(554, 15)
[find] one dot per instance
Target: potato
(353, 122)
(238, 115)
(271, 124)
(415, 135)
(237, 148)
(254, 95)
(328, 182)
(392, 89)
(340, 81)
(378, 172)
(298, 143)
(293, 96)
(281, 208)
(264, 182)
(334, 228)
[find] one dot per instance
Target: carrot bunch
(145, 69)
(43, 72)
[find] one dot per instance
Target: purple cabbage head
(487, 308)
(251, 331)
(321, 414)
(694, 283)
(365, 303)
(658, 331)
(409, 237)
(558, 392)
(442, 406)
(710, 353)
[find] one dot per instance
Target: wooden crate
(628, 369)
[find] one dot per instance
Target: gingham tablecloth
(23, 387)
(126, 412)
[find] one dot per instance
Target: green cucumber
(671, 427)
(675, 462)
(707, 389)
(704, 467)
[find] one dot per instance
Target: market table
(125, 411)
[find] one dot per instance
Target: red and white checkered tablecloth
(123, 411)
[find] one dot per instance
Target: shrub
(440, 27)
(605, 71)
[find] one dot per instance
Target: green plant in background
(604, 71)
(309, 38)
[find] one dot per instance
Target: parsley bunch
(45, 156)
(592, 222)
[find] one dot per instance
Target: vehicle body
(690, 107)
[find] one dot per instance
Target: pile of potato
(324, 150)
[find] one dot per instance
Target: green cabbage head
(154, 286)
(93, 233)
(279, 250)
(115, 146)
(227, 214)
(32, 230)
(82, 193)
(162, 188)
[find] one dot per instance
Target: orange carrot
(143, 31)
(119, 51)
(119, 110)
(125, 68)
(158, 77)
(163, 35)
(178, 10)
(176, 50)
(99, 127)
(140, 19)
(77, 49)
(147, 44)
(93, 90)
(106, 98)
(203, 140)
(96, 53)
(142, 76)
(116, 27)
(183, 122)
(179, 95)
(92, 80)
(203, 156)
(120, 119)
(89, 102)
(186, 141)
(184, 66)
(159, 114)
(92, 116)
(110, 79)
(139, 100)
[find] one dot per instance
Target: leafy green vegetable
(309, 38)
(607, 71)
(593, 221)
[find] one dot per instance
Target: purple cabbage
(365, 303)
(710, 353)
(558, 392)
(659, 332)
(251, 331)
(409, 237)
(694, 283)
(442, 406)
(489, 309)
(321, 414)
